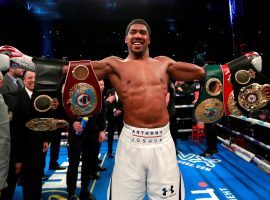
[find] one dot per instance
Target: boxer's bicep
(102, 69)
(186, 71)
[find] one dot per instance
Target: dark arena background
(83, 29)
(198, 31)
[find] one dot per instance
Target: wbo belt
(81, 95)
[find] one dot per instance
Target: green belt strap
(209, 106)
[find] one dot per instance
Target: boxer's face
(137, 39)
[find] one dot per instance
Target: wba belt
(251, 87)
(81, 94)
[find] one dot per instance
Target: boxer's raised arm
(101, 69)
(186, 71)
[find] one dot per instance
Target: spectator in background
(262, 134)
(114, 116)
(170, 99)
(29, 145)
(82, 146)
(210, 133)
(12, 84)
(4, 140)
(54, 140)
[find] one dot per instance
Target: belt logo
(209, 110)
(253, 96)
(82, 99)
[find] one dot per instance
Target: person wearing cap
(4, 140)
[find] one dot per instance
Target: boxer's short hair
(138, 21)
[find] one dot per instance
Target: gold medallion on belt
(82, 99)
(254, 96)
(244, 76)
(209, 110)
(43, 103)
(46, 124)
(232, 105)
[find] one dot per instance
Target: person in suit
(12, 83)
(172, 112)
(4, 140)
(114, 116)
(29, 145)
(82, 146)
(54, 141)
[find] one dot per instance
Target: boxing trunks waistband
(145, 136)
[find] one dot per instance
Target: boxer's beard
(139, 54)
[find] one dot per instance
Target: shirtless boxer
(145, 161)
(145, 158)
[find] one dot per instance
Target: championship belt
(209, 106)
(46, 124)
(235, 88)
(229, 102)
(251, 87)
(82, 95)
(45, 112)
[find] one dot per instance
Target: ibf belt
(209, 107)
(81, 94)
(229, 103)
(251, 87)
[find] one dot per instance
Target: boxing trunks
(145, 163)
(236, 87)
(46, 111)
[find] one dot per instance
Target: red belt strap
(81, 93)
(227, 87)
